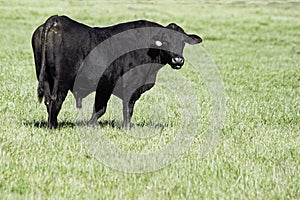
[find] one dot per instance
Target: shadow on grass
(105, 123)
(44, 124)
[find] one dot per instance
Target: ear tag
(158, 43)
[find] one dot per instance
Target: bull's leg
(128, 106)
(50, 120)
(78, 99)
(79, 102)
(54, 108)
(99, 106)
(103, 94)
(127, 112)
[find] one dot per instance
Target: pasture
(256, 48)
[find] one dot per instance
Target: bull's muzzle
(177, 62)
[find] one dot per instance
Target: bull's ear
(172, 26)
(175, 27)
(193, 39)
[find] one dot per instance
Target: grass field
(256, 47)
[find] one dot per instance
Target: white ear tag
(158, 43)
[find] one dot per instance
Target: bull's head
(170, 42)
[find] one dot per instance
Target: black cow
(62, 51)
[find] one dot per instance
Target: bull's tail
(51, 21)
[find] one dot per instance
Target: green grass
(256, 47)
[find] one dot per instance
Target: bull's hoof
(127, 125)
(92, 122)
(52, 125)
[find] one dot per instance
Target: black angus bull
(62, 49)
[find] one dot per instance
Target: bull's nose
(177, 60)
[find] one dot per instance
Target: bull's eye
(158, 43)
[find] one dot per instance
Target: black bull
(122, 60)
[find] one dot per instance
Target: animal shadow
(105, 123)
